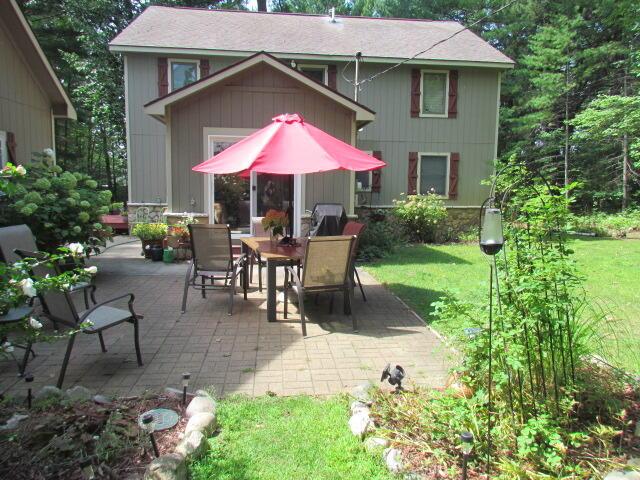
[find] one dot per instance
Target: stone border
(203, 421)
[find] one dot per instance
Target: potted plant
(275, 222)
(150, 235)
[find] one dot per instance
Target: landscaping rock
(167, 467)
(359, 406)
(360, 424)
(201, 404)
(634, 462)
(49, 392)
(361, 392)
(373, 444)
(393, 459)
(201, 422)
(13, 421)
(622, 475)
(194, 445)
(78, 394)
(102, 400)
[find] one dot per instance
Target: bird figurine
(395, 376)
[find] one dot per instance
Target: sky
(252, 4)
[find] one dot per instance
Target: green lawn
(271, 438)
(421, 274)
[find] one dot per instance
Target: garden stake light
(147, 423)
(185, 383)
(28, 378)
(467, 445)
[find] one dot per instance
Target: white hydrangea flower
(21, 170)
(76, 248)
(92, 269)
(34, 323)
(7, 347)
(27, 287)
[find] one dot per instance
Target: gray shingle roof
(230, 30)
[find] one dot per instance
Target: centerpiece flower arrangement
(275, 222)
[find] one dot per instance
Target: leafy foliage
(150, 231)
(59, 206)
(381, 237)
(420, 215)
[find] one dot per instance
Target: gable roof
(199, 31)
(23, 38)
(156, 108)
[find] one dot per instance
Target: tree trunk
(107, 161)
(566, 131)
(625, 154)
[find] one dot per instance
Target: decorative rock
(78, 394)
(634, 462)
(360, 424)
(201, 404)
(373, 444)
(201, 422)
(359, 406)
(167, 467)
(102, 400)
(13, 421)
(622, 475)
(194, 445)
(393, 459)
(361, 392)
(49, 392)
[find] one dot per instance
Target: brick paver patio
(242, 353)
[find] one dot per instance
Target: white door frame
(212, 135)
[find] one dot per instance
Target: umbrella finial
(289, 118)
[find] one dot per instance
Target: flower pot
(156, 252)
(147, 244)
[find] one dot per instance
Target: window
(4, 150)
(318, 72)
(435, 90)
(183, 72)
(364, 179)
(433, 173)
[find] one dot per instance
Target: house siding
(394, 132)
(251, 100)
(25, 109)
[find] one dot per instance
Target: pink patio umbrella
(289, 145)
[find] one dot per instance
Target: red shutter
(11, 147)
(204, 67)
(376, 175)
(332, 81)
(412, 188)
(415, 92)
(453, 93)
(163, 77)
(454, 160)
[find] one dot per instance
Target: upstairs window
(434, 93)
(433, 173)
(318, 72)
(182, 73)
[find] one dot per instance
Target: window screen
(183, 73)
(363, 181)
(317, 73)
(434, 89)
(433, 174)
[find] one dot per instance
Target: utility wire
(413, 57)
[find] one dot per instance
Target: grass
(421, 274)
(271, 438)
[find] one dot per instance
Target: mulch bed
(51, 443)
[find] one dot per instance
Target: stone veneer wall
(156, 211)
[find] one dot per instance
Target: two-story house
(198, 80)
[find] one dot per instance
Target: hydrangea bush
(420, 215)
(60, 207)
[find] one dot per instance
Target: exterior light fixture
(294, 64)
(491, 237)
(147, 425)
(395, 376)
(86, 465)
(185, 383)
(28, 378)
(466, 438)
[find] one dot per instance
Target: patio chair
(258, 231)
(60, 309)
(356, 229)
(327, 262)
(20, 237)
(212, 259)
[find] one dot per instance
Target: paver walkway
(242, 353)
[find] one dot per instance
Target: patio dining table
(276, 256)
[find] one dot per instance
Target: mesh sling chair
(212, 259)
(20, 237)
(60, 309)
(356, 229)
(327, 262)
(258, 231)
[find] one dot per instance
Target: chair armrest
(131, 297)
(296, 279)
(240, 261)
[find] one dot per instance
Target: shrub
(606, 225)
(59, 207)
(381, 237)
(150, 231)
(420, 215)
